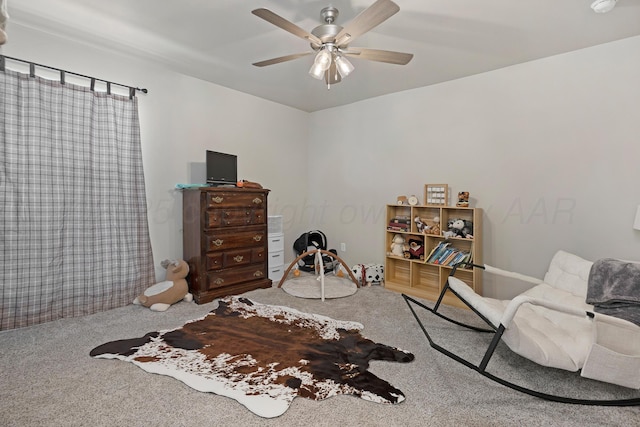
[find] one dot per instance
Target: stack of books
(399, 223)
(445, 254)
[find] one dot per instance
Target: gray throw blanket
(613, 288)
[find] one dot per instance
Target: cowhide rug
(264, 356)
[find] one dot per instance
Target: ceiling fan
(330, 42)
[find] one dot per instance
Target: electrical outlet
(343, 247)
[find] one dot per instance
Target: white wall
(180, 118)
(549, 149)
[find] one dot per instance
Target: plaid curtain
(74, 236)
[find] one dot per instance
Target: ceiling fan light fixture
(316, 71)
(329, 41)
(323, 59)
(603, 6)
(320, 64)
(344, 66)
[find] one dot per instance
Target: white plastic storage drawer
(276, 259)
(276, 242)
(276, 273)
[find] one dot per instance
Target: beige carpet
(47, 377)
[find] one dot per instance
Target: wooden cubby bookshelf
(422, 279)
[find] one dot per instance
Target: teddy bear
(398, 245)
(162, 295)
(416, 249)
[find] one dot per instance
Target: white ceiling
(218, 40)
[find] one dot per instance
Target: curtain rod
(32, 73)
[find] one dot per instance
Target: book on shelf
(402, 229)
(445, 254)
(399, 224)
(437, 251)
(433, 250)
(449, 258)
(458, 258)
(403, 217)
(397, 220)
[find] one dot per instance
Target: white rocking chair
(552, 325)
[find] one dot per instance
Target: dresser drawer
(222, 240)
(237, 257)
(234, 217)
(214, 260)
(231, 276)
(235, 200)
(257, 254)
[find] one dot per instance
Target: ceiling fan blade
(332, 76)
(369, 18)
(387, 56)
(279, 21)
(281, 59)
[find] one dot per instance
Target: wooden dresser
(225, 241)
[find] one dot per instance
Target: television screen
(222, 168)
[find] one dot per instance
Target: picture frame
(436, 194)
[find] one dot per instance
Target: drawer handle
(218, 281)
(257, 200)
(257, 237)
(275, 240)
(218, 242)
(258, 274)
(275, 256)
(247, 213)
(238, 258)
(217, 199)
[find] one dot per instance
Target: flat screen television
(222, 168)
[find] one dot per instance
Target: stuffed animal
(416, 250)
(461, 228)
(160, 296)
(431, 226)
(463, 199)
(368, 274)
(398, 245)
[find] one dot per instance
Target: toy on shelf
(463, 199)
(399, 246)
(431, 226)
(416, 249)
(459, 228)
